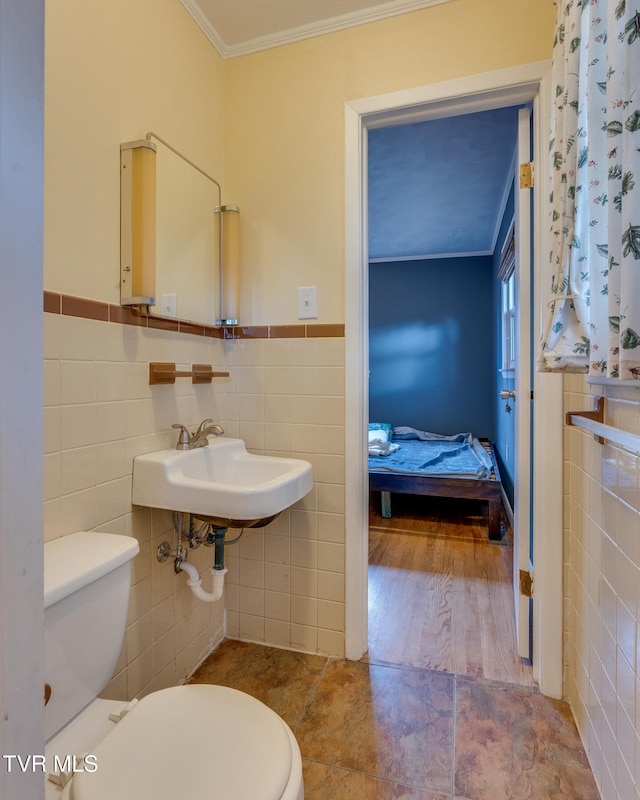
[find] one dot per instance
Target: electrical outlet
(307, 302)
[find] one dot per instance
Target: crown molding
(431, 256)
(203, 23)
(330, 25)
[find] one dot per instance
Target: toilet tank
(87, 577)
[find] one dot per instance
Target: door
(522, 528)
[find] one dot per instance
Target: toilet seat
(191, 742)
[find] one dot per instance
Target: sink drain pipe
(195, 581)
(218, 545)
(218, 570)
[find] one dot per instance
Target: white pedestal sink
(221, 483)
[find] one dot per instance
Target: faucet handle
(202, 426)
(184, 439)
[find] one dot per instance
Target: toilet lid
(191, 741)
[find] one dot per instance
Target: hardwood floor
(441, 595)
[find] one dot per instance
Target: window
(508, 324)
(506, 274)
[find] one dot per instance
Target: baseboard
(507, 506)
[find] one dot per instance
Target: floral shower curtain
(593, 321)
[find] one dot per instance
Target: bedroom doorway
(435, 339)
(508, 87)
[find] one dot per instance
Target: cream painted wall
(269, 125)
(284, 132)
(107, 83)
(112, 76)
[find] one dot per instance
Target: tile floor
(377, 732)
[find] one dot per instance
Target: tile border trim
(68, 305)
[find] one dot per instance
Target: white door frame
(522, 416)
(513, 86)
(21, 482)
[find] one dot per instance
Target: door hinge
(526, 175)
(526, 583)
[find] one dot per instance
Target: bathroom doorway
(434, 332)
(507, 87)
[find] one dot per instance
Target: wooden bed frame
(487, 489)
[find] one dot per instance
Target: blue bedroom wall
(505, 423)
(431, 344)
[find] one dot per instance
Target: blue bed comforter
(424, 453)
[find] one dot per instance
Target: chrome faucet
(188, 441)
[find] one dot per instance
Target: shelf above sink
(221, 483)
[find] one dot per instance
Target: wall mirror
(186, 258)
(177, 241)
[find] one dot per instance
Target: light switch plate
(307, 302)
(169, 305)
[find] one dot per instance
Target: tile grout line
(312, 694)
(459, 676)
(375, 777)
(403, 784)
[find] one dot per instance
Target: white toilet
(195, 742)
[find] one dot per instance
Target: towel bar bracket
(166, 372)
(597, 415)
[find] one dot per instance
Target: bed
(409, 461)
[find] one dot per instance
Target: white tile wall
(99, 413)
(602, 590)
(285, 397)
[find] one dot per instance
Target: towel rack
(593, 421)
(166, 372)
